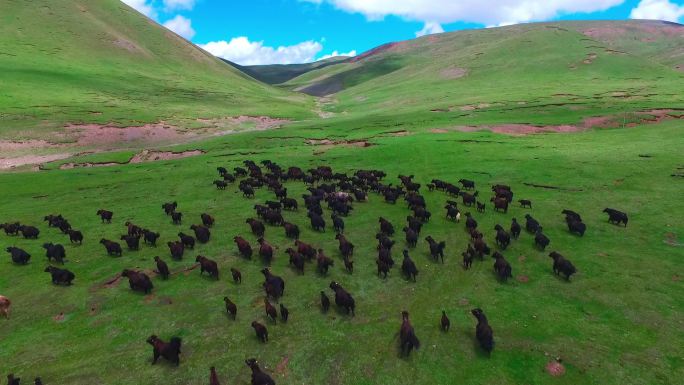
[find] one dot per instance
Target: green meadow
(428, 107)
(617, 321)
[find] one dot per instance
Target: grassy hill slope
(101, 61)
(614, 63)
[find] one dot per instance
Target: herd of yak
(338, 192)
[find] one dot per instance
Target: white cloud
(143, 6)
(181, 26)
(430, 28)
(336, 54)
(658, 10)
(175, 5)
(491, 12)
(242, 51)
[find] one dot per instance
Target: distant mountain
(280, 73)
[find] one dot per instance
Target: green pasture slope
(618, 321)
(100, 61)
(570, 63)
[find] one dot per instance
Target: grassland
(619, 320)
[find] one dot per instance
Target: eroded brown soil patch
(671, 239)
(281, 368)
(97, 135)
(453, 73)
(10, 163)
(555, 368)
(107, 137)
(11, 145)
(260, 123)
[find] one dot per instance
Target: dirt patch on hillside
(260, 123)
(473, 107)
(671, 239)
(10, 163)
(453, 73)
(603, 33)
(555, 368)
(10, 145)
(98, 135)
(590, 58)
(600, 121)
(107, 137)
(127, 45)
(281, 368)
(102, 135)
(523, 278)
(652, 29)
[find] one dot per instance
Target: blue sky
(294, 31)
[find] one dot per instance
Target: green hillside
(280, 73)
(70, 61)
(602, 64)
